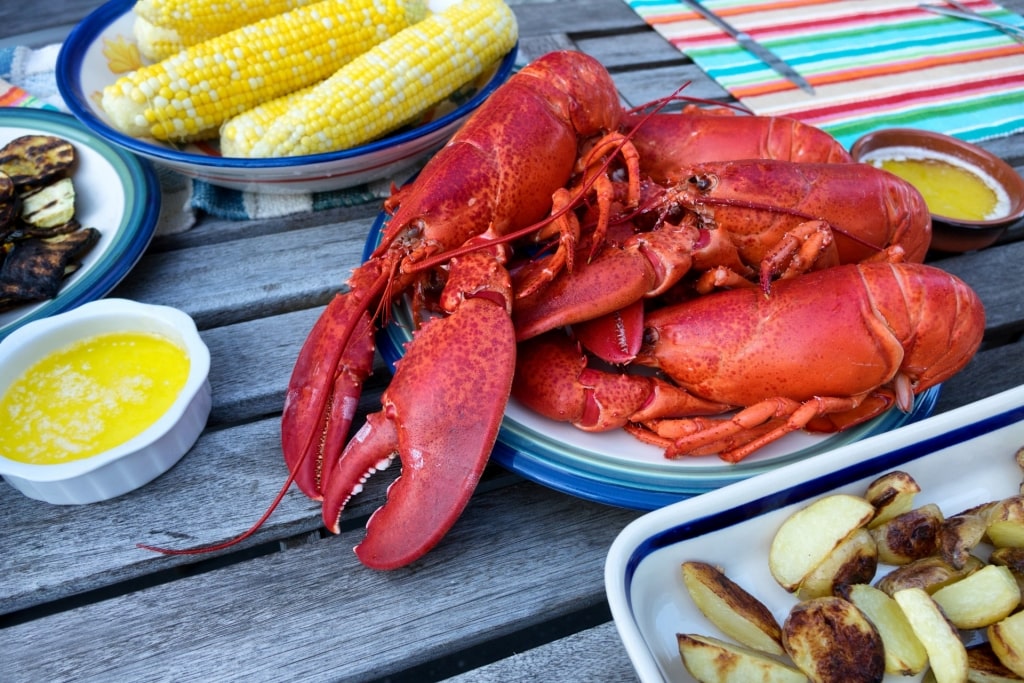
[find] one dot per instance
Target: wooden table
(513, 593)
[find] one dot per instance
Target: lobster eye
(703, 182)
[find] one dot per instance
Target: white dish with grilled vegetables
(115, 194)
(104, 47)
(960, 459)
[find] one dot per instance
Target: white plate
(614, 467)
(105, 37)
(960, 458)
(115, 193)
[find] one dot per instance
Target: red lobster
(443, 407)
(737, 223)
(824, 351)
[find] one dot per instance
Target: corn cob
(164, 27)
(392, 83)
(241, 132)
(189, 95)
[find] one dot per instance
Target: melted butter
(950, 187)
(90, 396)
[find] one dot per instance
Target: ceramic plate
(102, 47)
(115, 193)
(960, 458)
(615, 468)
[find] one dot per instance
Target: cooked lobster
(823, 352)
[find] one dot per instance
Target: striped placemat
(873, 63)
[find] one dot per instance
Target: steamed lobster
(550, 158)
(905, 328)
(442, 409)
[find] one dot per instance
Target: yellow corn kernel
(194, 21)
(241, 132)
(190, 94)
(394, 82)
(155, 42)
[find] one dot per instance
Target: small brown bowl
(954, 234)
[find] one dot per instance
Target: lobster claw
(440, 415)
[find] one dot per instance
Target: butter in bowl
(972, 194)
(100, 400)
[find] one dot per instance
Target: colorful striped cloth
(873, 63)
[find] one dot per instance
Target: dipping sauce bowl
(146, 349)
(997, 186)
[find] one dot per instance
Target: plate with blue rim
(615, 468)
(960, 458)
(115, 192)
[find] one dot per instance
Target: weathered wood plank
(313, 613)
(593, 655)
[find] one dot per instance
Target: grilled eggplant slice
(34, 269)
(36, 159)
(49, 206)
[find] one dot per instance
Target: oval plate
(103, 47)
(115, 193)
(615, 468)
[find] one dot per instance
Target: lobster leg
(440, 415)
(553, 379)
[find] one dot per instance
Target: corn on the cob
(189, 95)
(394, 82)
(156, 42)
(241, 132)
(164, 27)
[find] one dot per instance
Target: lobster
(736, 223)
(824, 351)
(441, 412)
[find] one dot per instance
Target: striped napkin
(873, 63)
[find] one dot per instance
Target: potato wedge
(807, 536)
(830, 640)
(855, 560)
(711, 660)
(1006, 523)
(929, 573)
(735, 612)
(959, 536)
(946, 653)
(1007, 640)
(981, 599)
(904, 653)
(909, 536)
(984, 667)
(891, 494)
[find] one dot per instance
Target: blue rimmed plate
(103, 47)
(615, 468)
(115, 192)
(960, 458)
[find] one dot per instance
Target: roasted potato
(1007, 640)
(960, 535)
(984, 667)
(981, 599)
(904, 653)
(909, 536)
(891, 494)
(735, 612)
(711, 660)
(929, 573)
(1006, 523)
(946, 653)
(830, 640)
(855, 560)
(807, 536)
